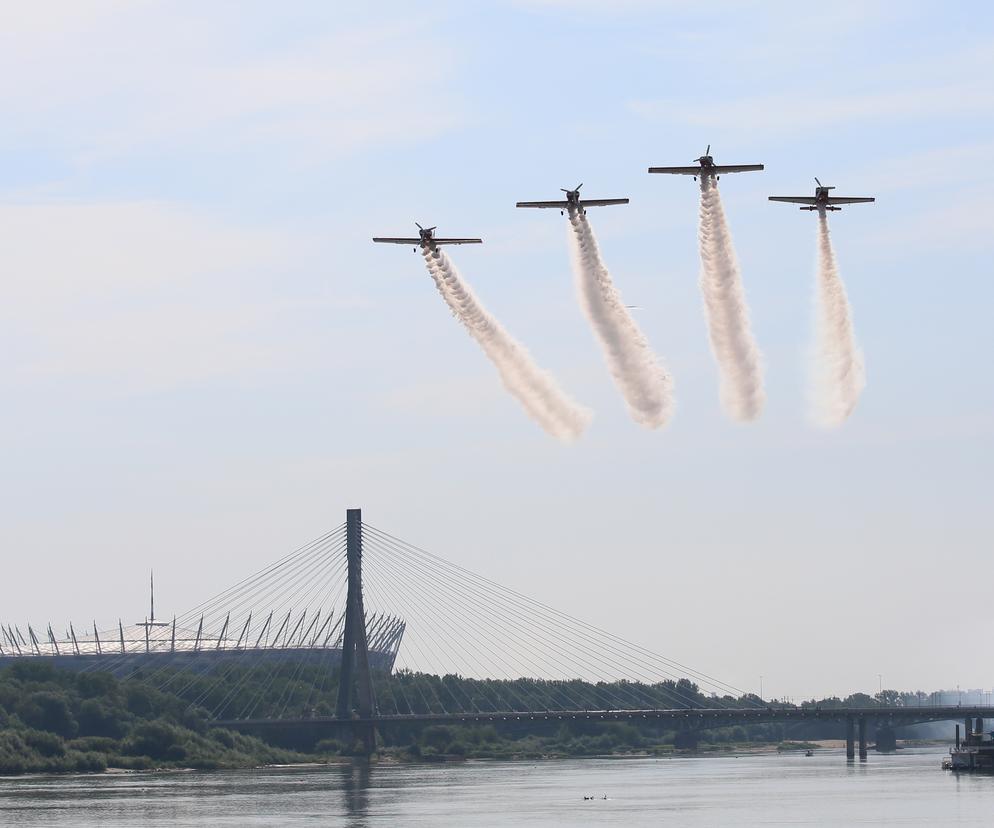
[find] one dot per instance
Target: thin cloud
(146, 296)
(147, 79)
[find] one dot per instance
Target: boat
(975, 752)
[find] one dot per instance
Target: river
(903, 789)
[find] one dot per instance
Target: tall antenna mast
(150, 618)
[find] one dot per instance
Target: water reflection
(355, 781)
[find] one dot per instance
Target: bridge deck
(684, 717)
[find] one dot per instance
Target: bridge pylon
(354, 676)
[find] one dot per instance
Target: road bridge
(468, 652)
(856, 719)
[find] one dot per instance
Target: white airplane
(821, 199)
(706, 166)
(426, 239)
(573, 202)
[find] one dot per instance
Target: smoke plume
(838, 371)
(739, 364)
(637, 371)
(535, 389)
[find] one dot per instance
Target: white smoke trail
(739, 365)
(535, 389)
(839, 376)
(637, 371)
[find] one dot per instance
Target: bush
(176, 753)
(223, 737)
(328, 746)
(97, 744)
(88, 762)
(438, 737)
(48, 710)
(195, 718)
(97, 685)
(99, 719)
(45, 743)
(142, 700)
(153, 739)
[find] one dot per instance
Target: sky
(204, 360)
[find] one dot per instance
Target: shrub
(97, 744)
(48, 710)
(152, 739)
(99, 719)
(223, 737)
(96, 685)
(45, 743)
(88, 762)
(438, 737)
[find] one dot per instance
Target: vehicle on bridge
(822, 200)
(707, 167)
(573, 202)
(426, 239)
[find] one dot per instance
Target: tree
(48, 710)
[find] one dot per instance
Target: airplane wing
(844, 200)
(676, 170)
(396, 241)
(795, 199)
(602, 202)
(457, 241)
(559, 205)
(738, 168)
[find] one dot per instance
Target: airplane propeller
(707, 154)
(575, 190)
(817, 181)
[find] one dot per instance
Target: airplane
(821, 200)
(573, 202)
(707, 167)
(426, 239)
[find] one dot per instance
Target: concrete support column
(850, 739)
(355, 657)
(862, 738)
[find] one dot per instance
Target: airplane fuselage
(821, 198)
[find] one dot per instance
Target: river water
(904, 789)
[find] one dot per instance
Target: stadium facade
(157, 644)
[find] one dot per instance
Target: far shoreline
(738, 751)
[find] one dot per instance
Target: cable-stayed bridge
(360, 631)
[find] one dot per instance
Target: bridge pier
(850, 739)
(862, 738)
(355, 656)
(886, 738)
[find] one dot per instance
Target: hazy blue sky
(204, 360)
